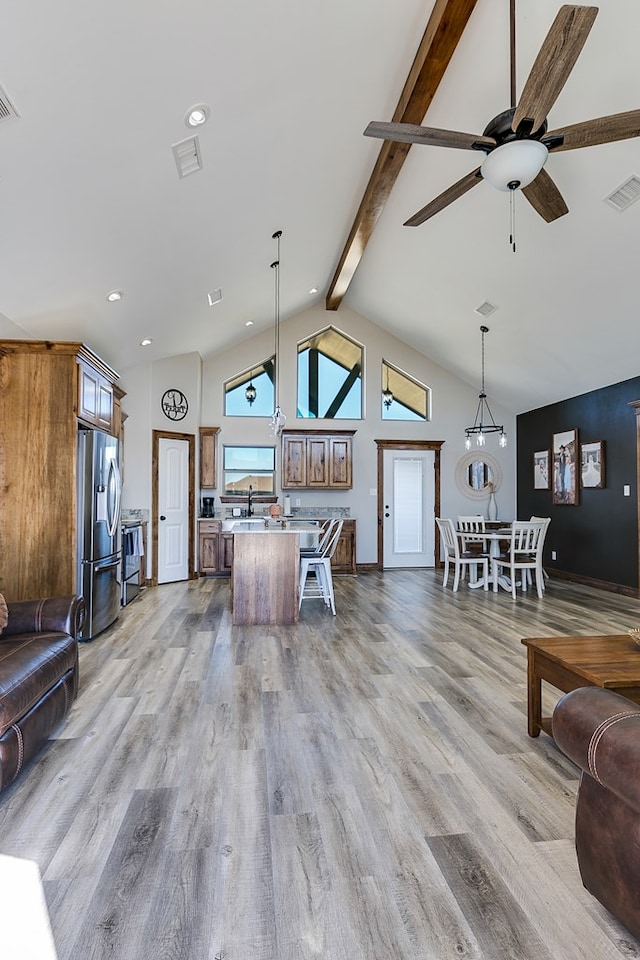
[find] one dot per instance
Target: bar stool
(320, 586)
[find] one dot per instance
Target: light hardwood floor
(347, 788)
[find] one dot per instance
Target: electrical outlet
(553, 555)
(297, 502)
(626, 490)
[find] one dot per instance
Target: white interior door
(173, 507)
(409, 508)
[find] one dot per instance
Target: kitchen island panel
(265, 578)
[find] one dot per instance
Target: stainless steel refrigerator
(99, 545)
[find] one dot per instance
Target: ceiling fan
(516, 142)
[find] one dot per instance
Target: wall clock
(174, 404)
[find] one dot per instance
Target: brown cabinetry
(208, 547)
(344, 559)
(41, 394)
(208, 442)
(313, 459)
(95, 397)
(215, 549)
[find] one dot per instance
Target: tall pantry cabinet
(47, 390)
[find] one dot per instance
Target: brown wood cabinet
(209, 547)
(215, 549)
(314, 459)
(344, 559)
(42, 388)
(208, 442)
(95, 396)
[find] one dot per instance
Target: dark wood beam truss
(444, 29)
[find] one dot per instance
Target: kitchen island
(266, 571)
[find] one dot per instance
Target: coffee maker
(207, 507)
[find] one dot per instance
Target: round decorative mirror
(475, 471)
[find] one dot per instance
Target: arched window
(403, 398)
(330, 377)
(251, 393)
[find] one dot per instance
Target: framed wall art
(565, 476)
(541, 479)
(592, 464)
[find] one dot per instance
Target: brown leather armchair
(600, 731)
(38, 676)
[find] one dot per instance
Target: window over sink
(248, 466)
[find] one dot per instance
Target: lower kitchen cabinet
(215, 549)
(344, 559)
(209, 547)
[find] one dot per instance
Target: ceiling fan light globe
(516, 162)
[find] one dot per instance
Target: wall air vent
(187, 156)
(626, 194)
(485, 308)
(7, 109)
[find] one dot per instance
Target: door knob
(162, 518)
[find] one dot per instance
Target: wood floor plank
(347, 788)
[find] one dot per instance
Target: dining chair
(524, 556)
(546, 521)
(321, 585)
(473, 525)
(458, 558)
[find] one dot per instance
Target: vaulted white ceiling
(91, 201)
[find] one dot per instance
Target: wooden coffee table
(570, 662)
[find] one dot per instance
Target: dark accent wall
(598, 539)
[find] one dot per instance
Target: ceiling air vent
(215, 296)
(187, 156)
(7, 109)
(485, 308)
(625, 195)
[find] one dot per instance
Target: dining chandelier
(484, 422)
(278, 419)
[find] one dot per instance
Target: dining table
(494, 537)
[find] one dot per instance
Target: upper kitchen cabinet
(317, 459)
(41, 393)
(95, 392)
(208, 442)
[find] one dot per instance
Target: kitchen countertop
(258, 526)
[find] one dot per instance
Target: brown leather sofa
(38, 676)
(600, 731)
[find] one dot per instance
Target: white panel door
(173, 504)
(409, 508)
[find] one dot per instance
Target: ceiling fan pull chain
(512, 219)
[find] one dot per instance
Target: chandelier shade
(484, 422)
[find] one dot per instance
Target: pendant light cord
(276, 266)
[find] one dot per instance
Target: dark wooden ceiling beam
(444, 29)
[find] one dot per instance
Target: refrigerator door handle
(107, 566)
(113, 483)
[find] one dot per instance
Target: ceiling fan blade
(545, 198)
(450, 194)
(414, 133)
(555, 61)
(617, 126)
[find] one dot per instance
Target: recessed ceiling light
(114, 295)
(313, 290)
(249, 323)
(146, 341)
(197, 115)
